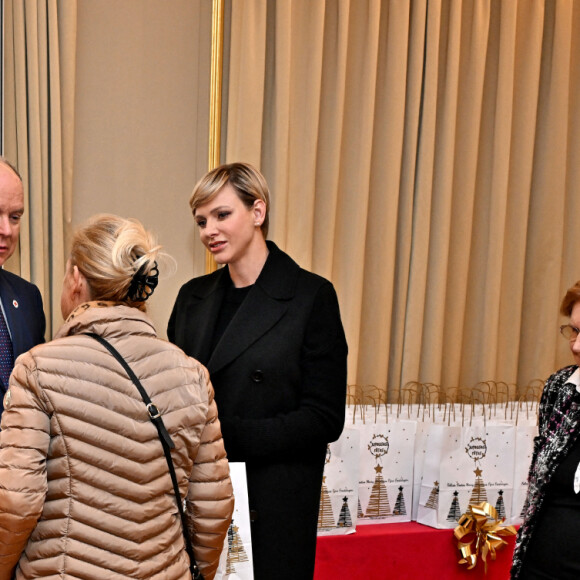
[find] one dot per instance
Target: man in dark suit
(22, 322)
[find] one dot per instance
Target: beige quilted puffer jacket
(85, 491)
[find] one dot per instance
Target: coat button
(257, 376)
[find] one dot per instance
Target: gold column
(215, 99)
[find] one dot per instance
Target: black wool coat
(279, 374)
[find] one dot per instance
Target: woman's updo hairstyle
(118, 257)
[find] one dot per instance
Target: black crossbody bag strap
(166, 443)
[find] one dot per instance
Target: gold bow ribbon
(479, 533)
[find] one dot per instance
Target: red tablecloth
(408, 551)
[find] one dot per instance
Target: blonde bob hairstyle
(247, 181)
(108, 250)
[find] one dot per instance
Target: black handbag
(166, 443)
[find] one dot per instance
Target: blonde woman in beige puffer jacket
(85, 491)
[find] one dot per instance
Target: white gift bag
(421, 436)
(466, 466)
(236, 557)
(386, 472)
(525, 435)
(337, 513)
(428, 505)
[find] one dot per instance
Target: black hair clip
(143, 285)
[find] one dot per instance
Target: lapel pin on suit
(15, 303)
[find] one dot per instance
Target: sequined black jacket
(559, 425)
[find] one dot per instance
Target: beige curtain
(39, 117)
(422, 155)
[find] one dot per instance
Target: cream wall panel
(142, 114)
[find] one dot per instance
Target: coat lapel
(246, 328)
(205, 312)
(264, 306)
(13, 316)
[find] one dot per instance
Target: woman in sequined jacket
(548, 544)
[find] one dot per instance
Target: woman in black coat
(271, 336)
